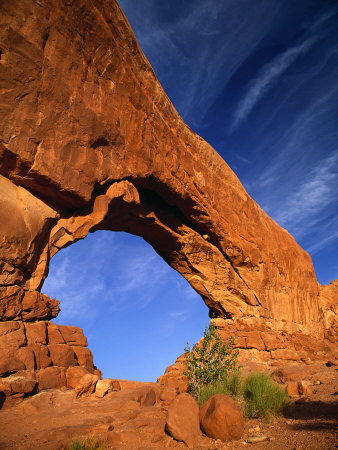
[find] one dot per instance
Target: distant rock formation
(89, 141)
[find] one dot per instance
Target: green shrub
(212, 369)
(210, 361)
(231, 385)
(90, 443)
(264, 398)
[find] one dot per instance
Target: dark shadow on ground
(316, 425)
(312, 410)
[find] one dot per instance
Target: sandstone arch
(89, 140)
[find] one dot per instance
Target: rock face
(41, 355)
(89, 141)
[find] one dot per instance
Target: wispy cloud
(181, 315)
(302, 208)
(332, 235)
(121, 272)
(57, 278)
(266, 78)
(308, 131)
(139, 281)
(219, 59)
(190, 55)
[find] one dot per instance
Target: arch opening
(136, 311)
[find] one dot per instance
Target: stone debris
(256, 438)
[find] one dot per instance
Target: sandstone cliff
(89, 141)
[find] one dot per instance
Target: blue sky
(258, 81)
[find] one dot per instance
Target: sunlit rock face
(89, 141)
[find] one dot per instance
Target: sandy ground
(52, 419)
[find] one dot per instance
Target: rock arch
(89, 140)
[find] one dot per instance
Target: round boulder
(221, 418)
(182, 420)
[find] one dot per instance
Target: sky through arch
(136, 311)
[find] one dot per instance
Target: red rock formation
(89, 141)
(328, 307)
(41, 355)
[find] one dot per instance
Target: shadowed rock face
(89, 141)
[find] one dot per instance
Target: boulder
(182, 420)
(105, 386)
(74, 375)
(86, 385)
(221, 418)
(305, 388)
(297, 388)
(292, 389)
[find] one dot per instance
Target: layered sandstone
(41, 355)
(89, 141)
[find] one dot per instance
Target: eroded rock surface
(35, 356)
(90, 141)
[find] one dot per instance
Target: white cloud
(302, 209)
(196, 54)
(121, 271)
(261, 85)
(319, 245)
(57, 278)
(77, 302)
(305, 133)
(178, 315)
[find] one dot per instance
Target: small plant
(263, 397)
(90, 443)
(231, 385)
(210, 361)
